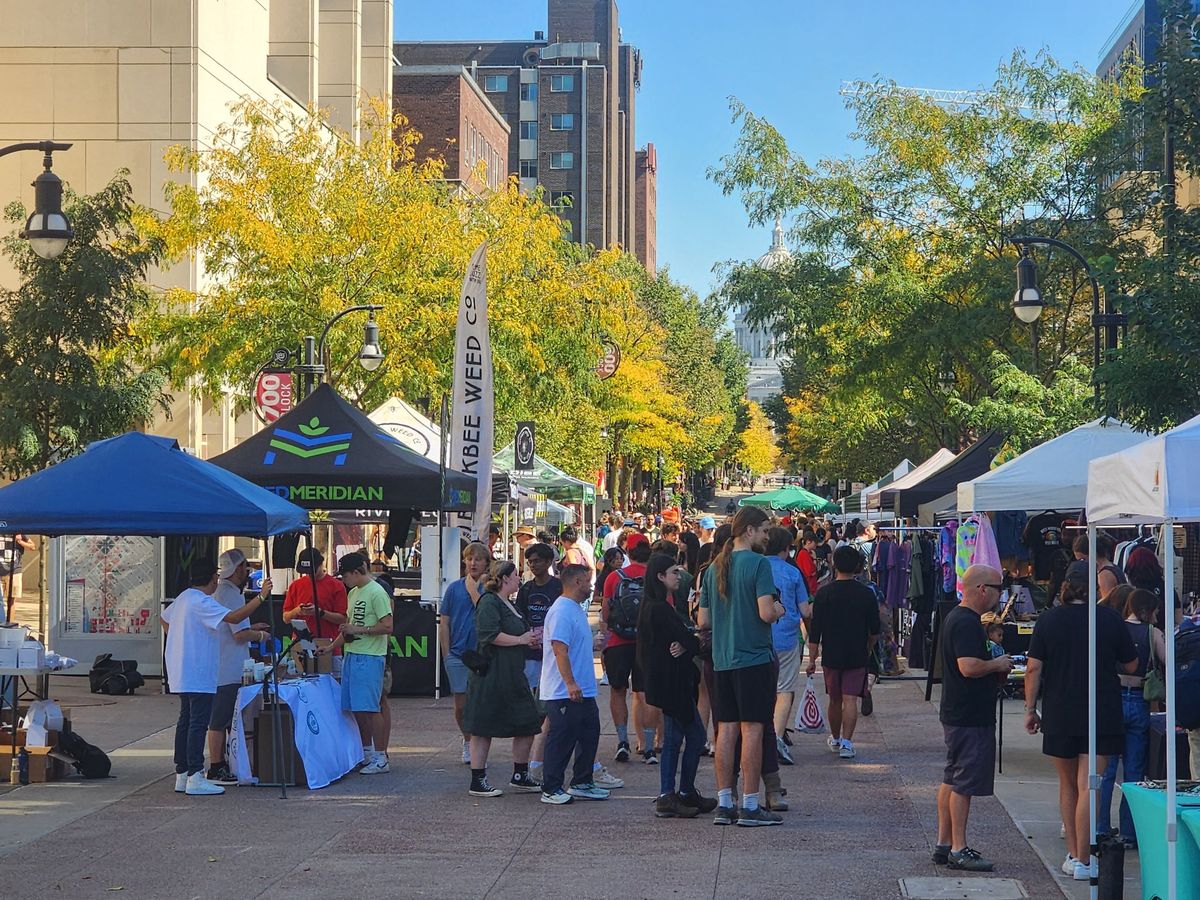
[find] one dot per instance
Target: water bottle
(14, 774)
(23, 766)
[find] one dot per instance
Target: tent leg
(1093, 780)
(276, 723)
(1167, 542)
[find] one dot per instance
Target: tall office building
(645, 228)
(568, 96)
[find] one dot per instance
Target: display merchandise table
(15, 687)
(1149, 808)
(326, 737)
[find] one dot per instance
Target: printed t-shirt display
(1045, 538)
(193, 649)
(1060, 642)
(740, 638)
(567, 623)
(844, 614)
(331, 597)
(966, 701)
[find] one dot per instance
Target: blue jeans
(194, 712)
(1137, 742)
(690, 736)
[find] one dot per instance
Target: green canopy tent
(545, 478)
(790, 497)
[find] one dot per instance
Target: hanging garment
(947, 543)
(899, 561)
(916, 575)
(976, 546)
(1009, 528)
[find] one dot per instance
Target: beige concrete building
(123, 80)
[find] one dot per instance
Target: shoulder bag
(1154, 688)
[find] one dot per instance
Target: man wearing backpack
(622, 598)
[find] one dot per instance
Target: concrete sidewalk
(855, 828)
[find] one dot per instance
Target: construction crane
(949, 99)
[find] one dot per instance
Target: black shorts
(222, 709)
(1069, 746)
(621, 667)
(745, 695)
(970, 759)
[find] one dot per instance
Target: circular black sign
(525, 446)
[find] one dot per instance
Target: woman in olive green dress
(499, 703)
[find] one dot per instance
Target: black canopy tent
(970, 463)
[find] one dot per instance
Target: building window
(562, 199)
(529, 168)
(529, 92)
(495, 84)
(562, 160)
(562, 84)
(529, 131)
(562, 121)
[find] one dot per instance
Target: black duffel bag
(114, 677)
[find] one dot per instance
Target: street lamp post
(309, 360)
(1028, 302)
(47, 228)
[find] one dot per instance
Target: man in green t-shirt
(738, 601)
(364, 637)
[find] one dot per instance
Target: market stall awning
(1152, 481)
(1052, 475)
(140, 484)
(789, 497)
(545, 478)
(971, 463)
(326, 454)
(885, 496)
(857, 502)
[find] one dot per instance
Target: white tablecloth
(326, 736)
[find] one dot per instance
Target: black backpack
(1187, 678)
(623, 608)
(114, 676)
(88, 759)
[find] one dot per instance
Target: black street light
(309, 361)
(47, 228)
(1028, 303)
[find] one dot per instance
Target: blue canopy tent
(140, 484)
(143, 485)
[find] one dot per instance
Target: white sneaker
(603, 778)
(847, 751)
(1068, 866)
(180, 782)
(1083, 871)
(466, 757)
(199, 786)
(377, 766)
(835, 744)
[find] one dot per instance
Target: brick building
(645, 229)
(456, 121)
(569, 100)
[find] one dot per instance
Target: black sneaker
(220, 774)
(725, 815)
(698, 800)
(622, 754)
(670, 806)
(968, 860)
(482, 788)
(941, 854)
(525, 782)
(759, 816)
(650, 758)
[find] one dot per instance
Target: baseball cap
(708, 522)
(352, 562)
(634, 539)
(228, 562)
(1077, 573)
(309, 559)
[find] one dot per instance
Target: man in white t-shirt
(193, 657)
(568, 688)
(233, 571)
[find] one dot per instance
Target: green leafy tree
(70, 357)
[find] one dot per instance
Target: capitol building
(758, 341)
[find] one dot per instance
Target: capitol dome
(778, 254)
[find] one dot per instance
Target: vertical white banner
(472, 421)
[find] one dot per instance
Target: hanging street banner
(273, 394)
(524, 447)
(472, 421)
(610, 360)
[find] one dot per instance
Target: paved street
(855, 829)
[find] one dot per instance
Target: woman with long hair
(1144, 571)
(666, 648)
(499, 702)
(614, 558)
(1141, 613)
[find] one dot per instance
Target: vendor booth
(791, 497)
(884, 497)
(856, 503)
(905, 495)
(1156, 482)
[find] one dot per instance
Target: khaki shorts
(789, 669)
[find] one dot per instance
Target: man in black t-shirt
(968, 713)
(534, 599)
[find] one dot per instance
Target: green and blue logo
(312, 441)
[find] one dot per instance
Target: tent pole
(1168, 544)
(441, 566)
(1093, 779)
(276, 721)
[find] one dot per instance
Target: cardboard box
(324, 662)
(52, 738)
(9, 657)
(263, 758)
(32, 657)
(43, 767)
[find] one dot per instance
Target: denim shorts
(456, 671)
(362, 682)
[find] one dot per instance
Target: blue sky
(785, 59)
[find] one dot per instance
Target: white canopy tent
(407, 425)
(935, 463)
(857, 502)
(1154, 482)
(1053, 475)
